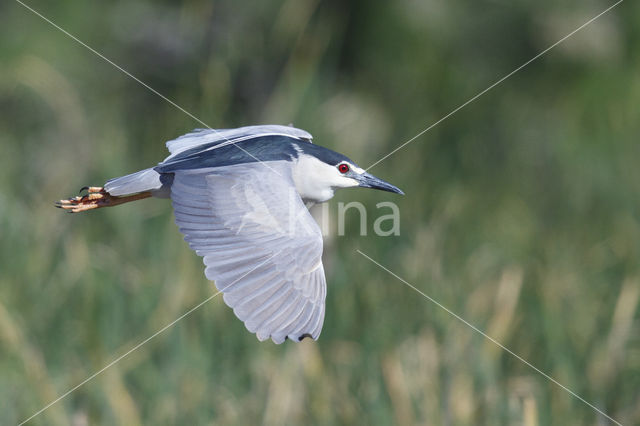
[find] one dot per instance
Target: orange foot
(96, 198)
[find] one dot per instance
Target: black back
(260, 148)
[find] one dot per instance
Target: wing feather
(259, 244)
(291, 323)
(212, 138)
(268, 306)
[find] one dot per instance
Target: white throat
(316, 181)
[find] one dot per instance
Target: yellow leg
(96, 198)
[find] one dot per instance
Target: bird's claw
(96, 197)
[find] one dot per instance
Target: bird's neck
(314, 179)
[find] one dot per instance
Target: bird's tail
(143, 181)
(120, 190)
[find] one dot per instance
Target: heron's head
(320, 171)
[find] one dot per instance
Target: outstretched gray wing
(259, 243)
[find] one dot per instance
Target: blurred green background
(521, 213)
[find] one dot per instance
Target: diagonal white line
(76, 39)
(496, 83)
(503, 347)
(145, 85)
(139, 345)
(136, 347)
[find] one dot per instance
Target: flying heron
(241, 199)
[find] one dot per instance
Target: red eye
(343, 168)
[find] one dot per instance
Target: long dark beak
(367, 180)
